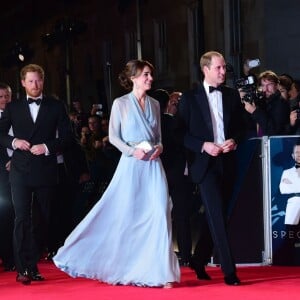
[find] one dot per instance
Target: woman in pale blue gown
(126, 238)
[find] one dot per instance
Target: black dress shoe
(24, 278)
(200, 271)
(36, 276)
(232, 279)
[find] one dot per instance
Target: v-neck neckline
(139, 105)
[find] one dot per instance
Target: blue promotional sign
(284, 178)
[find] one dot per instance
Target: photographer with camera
(268, 109)
(295, 120)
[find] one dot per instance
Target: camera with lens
(247, 85)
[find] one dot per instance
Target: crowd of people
(109, 188)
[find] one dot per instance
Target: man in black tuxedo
(41, 128)
(174, 161)
(212, 114)
(6, 208)
(73, 173)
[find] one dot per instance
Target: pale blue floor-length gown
(126, 237)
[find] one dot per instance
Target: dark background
(83, 45)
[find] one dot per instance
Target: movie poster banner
(284, 191)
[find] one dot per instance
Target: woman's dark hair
(285, 81)
(132, 69)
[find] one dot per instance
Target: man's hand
(7, 166)
(293, 117)
(212, 149)
(38, 149)
(249, 107)
(21, 144)
(98, 144)
(228, 145)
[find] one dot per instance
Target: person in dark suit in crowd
(294, 127)
(212, 116)
(73, 173)
(271, 114)
(41, 128)
(6, 208)
(174, 162)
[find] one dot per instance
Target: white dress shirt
(216, 112)
(34, 110)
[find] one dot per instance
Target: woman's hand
(139, 153)
(158, 150)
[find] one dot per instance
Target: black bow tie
(36, 101)
(212, 88)
(297, 166)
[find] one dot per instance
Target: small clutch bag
(144, 145)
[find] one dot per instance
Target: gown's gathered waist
(146, 146)
(133, 144)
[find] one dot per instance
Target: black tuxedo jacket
(75, 161)
(174, 154)
(195, 113)
(4, 158)
(52, 118)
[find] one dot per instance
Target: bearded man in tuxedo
(41, 129)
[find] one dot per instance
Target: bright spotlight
(21, 57)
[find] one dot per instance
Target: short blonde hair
(206, 58)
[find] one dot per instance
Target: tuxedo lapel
(42, 113)
(25, 111)
(4, 158)
(226, 109)
(202, 101)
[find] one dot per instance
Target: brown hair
(286, 82)
(32, 68)
(268, 75)
(132, 69)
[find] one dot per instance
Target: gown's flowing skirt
(126, 237)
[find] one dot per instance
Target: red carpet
(259, 282)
